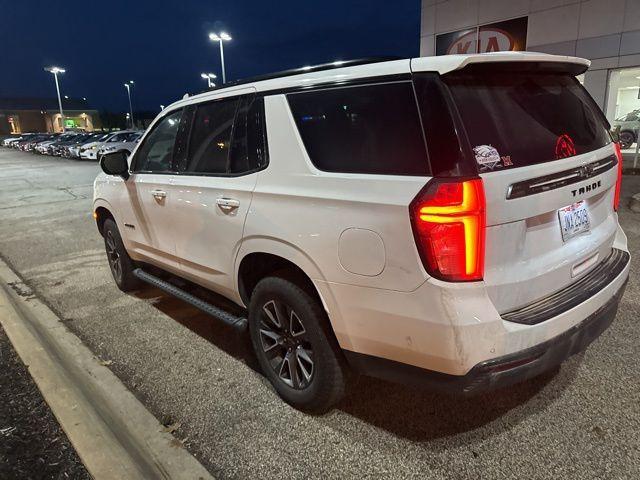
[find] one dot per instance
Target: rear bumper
(497, 372)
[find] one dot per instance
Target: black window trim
(466, 160)
(256, 96)
(353, 82)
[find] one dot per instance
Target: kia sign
(510, 35)
(462, 41)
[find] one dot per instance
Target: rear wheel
(120, 263)
(294, 345)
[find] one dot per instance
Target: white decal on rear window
(487, 157)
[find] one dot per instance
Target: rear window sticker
(565, 147)
(487, 156)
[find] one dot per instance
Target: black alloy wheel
(113, 256)
(286, 345)
(120, 263)
(294, 343)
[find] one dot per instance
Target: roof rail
(301, 70)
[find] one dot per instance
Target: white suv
(125, 142)
(448, 221)
(90, 151)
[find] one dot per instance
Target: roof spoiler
(523, 61)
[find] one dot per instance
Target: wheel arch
(261, 257)
(102, 210)
(295, 266)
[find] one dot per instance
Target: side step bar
(239, 323)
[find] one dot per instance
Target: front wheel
(120, 263)
(294, 345)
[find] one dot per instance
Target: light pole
(208, 77)
(223, 37)
(56, 71)
(128, 85)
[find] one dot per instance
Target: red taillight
(449, 222)
(616, 195)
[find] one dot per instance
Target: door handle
(227, 204)
(158, 194)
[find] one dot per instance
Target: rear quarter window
(373, 129)
(516, 119)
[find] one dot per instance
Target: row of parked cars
(80, 145)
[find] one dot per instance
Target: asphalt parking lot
(581, 421)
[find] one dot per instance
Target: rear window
(371, 129)
(516, 119)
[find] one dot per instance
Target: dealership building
(607, 32)
(19, 115)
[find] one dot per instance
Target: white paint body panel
(526, 258)
(441, 326)
(207, 236)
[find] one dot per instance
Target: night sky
(163, 45)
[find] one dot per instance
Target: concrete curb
(114, 434)
(634, 203)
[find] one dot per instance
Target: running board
(239, 323)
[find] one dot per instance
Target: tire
(120, 263)
(288, 326)
(626, 139)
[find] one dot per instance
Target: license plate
(574, 220)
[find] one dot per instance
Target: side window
(372, 129)
(211, 137)
(115, 138)
(156, 152)
(248, 148)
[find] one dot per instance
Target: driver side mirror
(115, 164)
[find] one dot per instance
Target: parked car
(629, 125)
(8, 142)
(126, 144)
(26, 143)
(61, 149)
(437, 221)
(45, 146)
(48, 147)
(33, 141)
(90, 150)
(74, 150)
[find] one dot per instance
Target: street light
(56, 71)
(208, 77)
(223, 37)
(128, 86)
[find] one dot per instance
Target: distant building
(28, 114)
